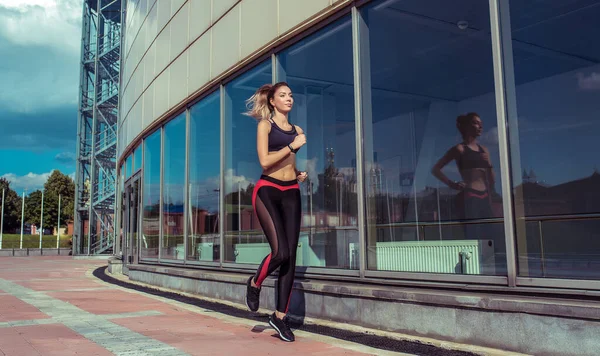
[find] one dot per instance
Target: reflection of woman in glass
(276, 196)
(475, 167)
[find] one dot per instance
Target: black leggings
(277, 206)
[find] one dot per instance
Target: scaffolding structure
(94, 228)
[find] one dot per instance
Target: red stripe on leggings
(288, 303)
(266, 183)
(263, 271)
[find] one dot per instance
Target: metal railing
(110, 40)
(107, 92)
(106, 139)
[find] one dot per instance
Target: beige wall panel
(199, 63)
(164, 13)
(161, 94)
(200, 13)
(178, 80)
(176, 5)
(149, 66)
(226, 42)
(259, 24)
(219, 7)
(163, 50)
(293, 12)
(179, 31)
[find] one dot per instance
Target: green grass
(33, 241)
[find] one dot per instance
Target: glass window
(151, 197)
(555, 143)
(128, 166)
(242, 168)
(137, 159)
(203, 200)
(173, 189)
(121, 204)
(319, 70)
(431, 150)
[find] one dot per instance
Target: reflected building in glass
(452, 146)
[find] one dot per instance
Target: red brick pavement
(52, 339)
(192, 332)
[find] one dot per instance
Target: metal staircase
(97, 127)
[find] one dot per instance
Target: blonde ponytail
(258, 104)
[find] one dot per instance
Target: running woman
(276, 197)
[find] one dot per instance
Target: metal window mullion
(274, 65)
(361, 90)
(500, 44)
(186, 189)
(140, 202)
(222, 149)
(161, 189)
(118, 190)
(116, 212)
(80, 125)
(93, 179)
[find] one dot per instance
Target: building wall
(419, 66)
(174, 47)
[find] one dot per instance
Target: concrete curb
(24, 252)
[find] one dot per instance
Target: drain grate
(374, 341)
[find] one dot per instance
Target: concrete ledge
(115, 265)
(549, 326)
(24, 252)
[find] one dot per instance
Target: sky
(39, 66)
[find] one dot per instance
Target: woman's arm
(437, 169)
(490, 172)
(262, 147)
(300, 175)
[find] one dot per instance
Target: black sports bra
(279, 138)
(471, 159)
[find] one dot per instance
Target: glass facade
(319, 70)
(421, 82)
(151, 197)
(137, 160)
(173, 189)
(555, 107)
(204, 172)
(451, 142)
(242, 169)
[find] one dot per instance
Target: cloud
(65, 158)
(40, 51)
(592, 82)
(48, 129)
(30, 181)
(490, 137)
(232, 181)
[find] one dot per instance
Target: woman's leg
(268, 212)
(292, 210)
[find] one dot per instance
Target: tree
(12, 206)
(33, 204)
(58, 184)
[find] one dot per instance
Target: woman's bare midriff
(284, 170)
(475, 178)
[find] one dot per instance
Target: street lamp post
(42, 220)
(22, 219)
(58, 224)
(2, 219)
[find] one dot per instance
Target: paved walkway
(55, 306)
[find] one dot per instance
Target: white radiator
(458, 256)
(254, 253)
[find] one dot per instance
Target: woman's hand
(299, 141)
(457, 185)
(302, 176)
